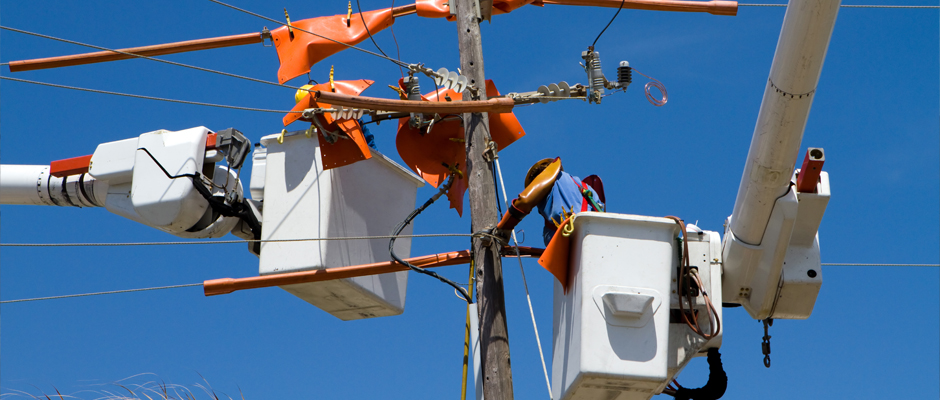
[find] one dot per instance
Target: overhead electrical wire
(877, 265)
(243, 241)
(842, 5)
(608, 24)
(117, 244)
(100, 293)
(391, 28)
(403, 64)
(149, 58)
(137, 96)
(365, 25)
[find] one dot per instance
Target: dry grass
(128, 389)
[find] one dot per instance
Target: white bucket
(302, 201)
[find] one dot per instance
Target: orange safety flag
(555, 257)
(432, 155)
(299, 51)
(439, 8)
(343, 151)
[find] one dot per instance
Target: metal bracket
(491, 152)
(476, 9)
(266, 35)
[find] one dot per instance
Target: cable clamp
(491, 153)
(454, 170)
(489, 236)
(266, 35)
(329, 135)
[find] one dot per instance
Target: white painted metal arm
(33, 185)
(148, 179)
(759, 231)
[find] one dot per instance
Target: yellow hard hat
(537, 168)
(301, 93)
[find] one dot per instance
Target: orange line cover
(229, 285)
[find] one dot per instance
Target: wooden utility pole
(494, 335)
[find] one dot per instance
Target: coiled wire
(654, 83)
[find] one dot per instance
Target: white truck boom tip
(762, 262)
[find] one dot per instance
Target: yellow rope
(466, 341)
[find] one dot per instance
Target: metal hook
(765, 344)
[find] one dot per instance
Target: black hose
(217, 203)
(401, 227)
(717, 381)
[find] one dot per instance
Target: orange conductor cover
(430, 154)
(300, 51)
(343, 151)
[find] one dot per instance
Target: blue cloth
(370, 139)
(565, 194)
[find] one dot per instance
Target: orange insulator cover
(300, 51)
(342, 152)
(555, 257)
(427, 154)
(433, 9)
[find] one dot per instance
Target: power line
(244, 241)
(363, 19)
(148, 97)
(608, 24)
(427, 235)
(843, 5)
(100, 293)
(877, 265)
(148, 58)
(314, 34)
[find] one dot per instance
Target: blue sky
(873, 333)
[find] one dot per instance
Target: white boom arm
(152, 179)
(765, 212)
